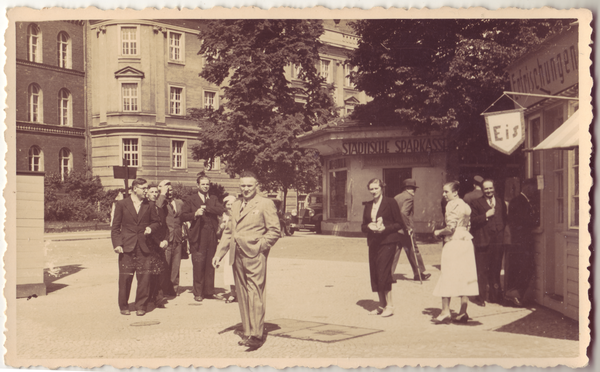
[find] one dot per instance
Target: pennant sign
(505, 130)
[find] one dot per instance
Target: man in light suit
(134, 219)
(405, 202)
(203, 211)
(488, 219)
(253, 229)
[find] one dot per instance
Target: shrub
(71, 209)
(74, 199)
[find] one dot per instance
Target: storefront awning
(566, 136)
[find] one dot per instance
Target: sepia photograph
(418, 182)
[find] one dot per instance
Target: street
(318, 299)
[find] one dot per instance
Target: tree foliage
(438, 74)
(256, 126)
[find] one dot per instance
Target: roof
(564, 137)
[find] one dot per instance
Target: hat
(409, 182)
(164, 183)
(478, 180)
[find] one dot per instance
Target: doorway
(393, 179)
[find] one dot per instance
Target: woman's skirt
(380, 266)
(227, 272)
(459, 272)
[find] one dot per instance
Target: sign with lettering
(407, 145)
(505, 130)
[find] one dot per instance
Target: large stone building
(50, 96)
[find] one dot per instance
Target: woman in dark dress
(381, 222)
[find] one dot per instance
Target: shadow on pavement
(368, 305)
(439, 267)
(435, 312)
(543, 322)
(397, 277)
(50, 276)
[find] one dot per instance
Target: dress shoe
(140, 312)
(443, 319)
(243, 341)
(388, 311)
(198, 298)
(462, 318)
(515, 301)
(125, 312)
(424, 277)
(254, 342)
(377, 311)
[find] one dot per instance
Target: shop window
(34, 43)
(560, 185)
(131, 152)
(179, 159)
(36, 159)
(176, 46)
(64, 107)
(66, 162)
(64, 50)
(35, 103)
(337, 189)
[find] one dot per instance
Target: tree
(436, 75)
(256, 128)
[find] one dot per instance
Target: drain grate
(315, 331)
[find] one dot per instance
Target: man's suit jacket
(522, 219)
(392, 221)
(255, 229)
(406, 204)
(485, 230)
(207, 224)
(128, 227)
(170, 224)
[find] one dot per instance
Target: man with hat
(405, 201)
(170, 210)
(476, 193)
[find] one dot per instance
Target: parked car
(283, 221)
(309, 217)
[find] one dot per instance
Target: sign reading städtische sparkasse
(405, 145)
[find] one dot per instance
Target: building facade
(50, 96)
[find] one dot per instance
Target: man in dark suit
(405, 202)
(203, 211)
(523, 218)
(134, 219)
(488, 219)
(476, 193)
(170, 210)
(253, 229)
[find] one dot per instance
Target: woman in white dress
(459, 273)
(227, 269)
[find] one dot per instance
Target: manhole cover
(195, 304)
(145, 323)
(316, 331)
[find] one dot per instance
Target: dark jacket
(171, 223)
(487, 231)
(522, 219)
(207, 224)
(392, 221)
(128, 227)
(406, 205)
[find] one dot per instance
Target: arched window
(36, 159)
(34, 43)
(64, 108)
(35, 103)
(65, 159)
(64, 50)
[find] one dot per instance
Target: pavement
(318, 299)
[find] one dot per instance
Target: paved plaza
(318, 299)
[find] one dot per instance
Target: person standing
(134, 219)
(171, 209)
(203, 211)
(381, 222)
(476, 193)
(228, 280)
(405, 202)
(459, 272)
(253, 229)
(158, 263)
(488, 219)
(523, 218)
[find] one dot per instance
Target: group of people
(475, 241)
(147, 231)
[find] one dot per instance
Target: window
(66, 162)
(64, 107)
(176, 101)
(296, 71)
(347, 72)
(574, 188)
(64, 50)
(325, 70)
(215, 164)
(35, 103)
(178, 154)
(131, 152)
(559, 164)
(129, 93)
(337, 189)
(535, 138)
(210, 100)
(129, 41)
(34, 43)
(349, 110)
(36, 159)
(176, 46)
